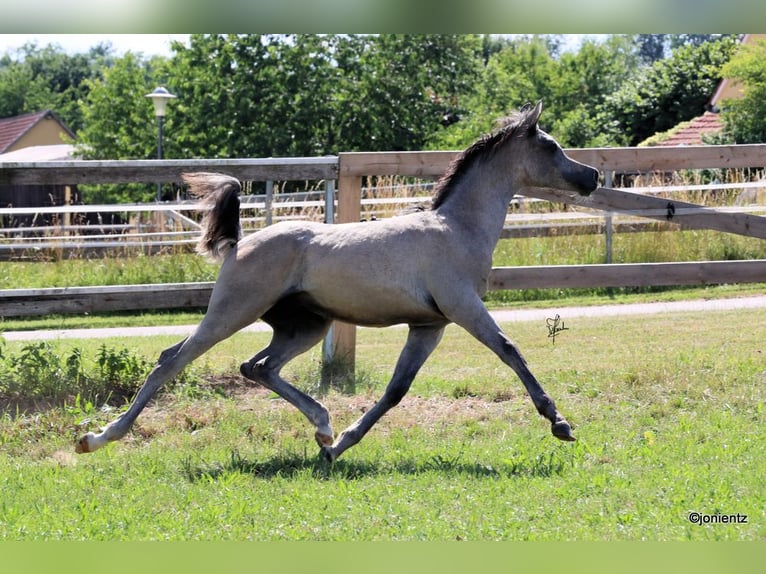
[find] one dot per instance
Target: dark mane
(479, 150)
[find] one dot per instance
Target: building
(40, 136)
(39, 128)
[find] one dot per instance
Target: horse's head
(544, 162)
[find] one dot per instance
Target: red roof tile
(691, 132)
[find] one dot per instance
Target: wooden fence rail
(100, 299)
(32, 302)
(165, 170)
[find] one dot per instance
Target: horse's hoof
(562, 431)
(83, 445)
(323, 439)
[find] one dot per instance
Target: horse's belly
(376, 307)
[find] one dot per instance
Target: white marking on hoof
(324, 436)
(83, 445)
(89, 443)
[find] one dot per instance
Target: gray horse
(426, 269)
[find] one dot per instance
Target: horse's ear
(531, 116)
(534, 116)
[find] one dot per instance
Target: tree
(21, 92)
(407, 88)
(119, 120)
(678, 40)
(585, 80)
(48, 78)
(572, 86)
(522, 71)
(119, 123)
(252, 95)
(652, 47)
(225, 94)
(256, 95)
(744, 118)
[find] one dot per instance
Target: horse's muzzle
(584, 178)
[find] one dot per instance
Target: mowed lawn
(668, 411)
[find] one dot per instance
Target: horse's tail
(220, 227)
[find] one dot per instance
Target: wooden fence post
(344, 334)
(269, 202)
(608, 227)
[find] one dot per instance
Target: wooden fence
(354, 166)
(349, 169)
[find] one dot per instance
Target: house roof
(691, 132)
(12, 129)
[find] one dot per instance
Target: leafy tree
(119, 123)
(48, 78)
(745, 118)
(491, 45)
(678, 40)
(226, 89)
(407, 87)
(21, 92)
(119, 119)
(654, 47)
(651, 47)
(586, 79)
(523, 71)
(572, 86)
(255, 95)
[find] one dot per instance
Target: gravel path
(501, 315)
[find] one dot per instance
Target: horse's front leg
(476, 320)
(421, 342)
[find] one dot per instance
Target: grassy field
(668, 410)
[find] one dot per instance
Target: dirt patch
(195, 416)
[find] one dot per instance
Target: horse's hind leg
(421, 342)
(170, 363)
(295, 331)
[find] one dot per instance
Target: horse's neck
(479, 203)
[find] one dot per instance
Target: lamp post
(160, 98)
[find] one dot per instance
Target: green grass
(668, 410)
(104, 270)
(103, 320)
